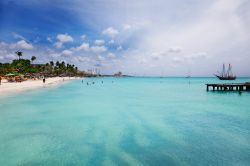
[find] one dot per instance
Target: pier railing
(229, 87)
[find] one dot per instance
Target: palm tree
(19, 54)
(51, 63)
(33, 58)
(57, 63)
(63, 64)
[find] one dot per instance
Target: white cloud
(3, 51)
(6, 56)
(62, 38)
(10, 56)
(36, 40)
(7, 50)
(99, 42)
(111, 41)
(22, 45)
(119, 48)
(98, 49)
(177, 60)
(3, 45)
(100, 58)
(127, 27)
(54, 55)
(175, 49)
(198, 55)
(17, 36)
(155, 56)
(49, 39)
(58, 44)
(83, 47)
(82, 59)
(111, 55)
(66, 53)
(112, 32)
(83, 37)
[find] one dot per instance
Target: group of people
(89, 83)
(1, 80)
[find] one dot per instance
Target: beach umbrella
(27, 75)
(11, 74)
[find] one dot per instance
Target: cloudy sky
(142, 37)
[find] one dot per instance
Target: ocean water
(126, 121)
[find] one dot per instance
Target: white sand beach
(7, 88)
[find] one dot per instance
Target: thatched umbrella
(11, 74)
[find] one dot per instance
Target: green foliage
(19, 54)
(32, 70)
(33, 58)
(21, 65)
(24, 66)
(5, 68)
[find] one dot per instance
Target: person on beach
(44, 80)
(0, 80)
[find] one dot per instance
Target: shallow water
(126, 121)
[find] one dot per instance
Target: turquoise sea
(126, 121)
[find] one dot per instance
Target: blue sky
(161, 37)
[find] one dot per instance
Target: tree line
(24, 66)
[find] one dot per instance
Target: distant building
(37, 64)
(93, 71)
(119, 74)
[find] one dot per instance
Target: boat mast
(223, 71)
(229, 72)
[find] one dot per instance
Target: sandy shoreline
(7, 88)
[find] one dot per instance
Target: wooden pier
(230, 87)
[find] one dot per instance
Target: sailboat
(226, 75)
(188, 75)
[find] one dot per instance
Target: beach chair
(10, 79)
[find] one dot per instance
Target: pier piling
(229, 87)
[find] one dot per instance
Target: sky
(142, 37)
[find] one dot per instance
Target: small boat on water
(226, 75)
